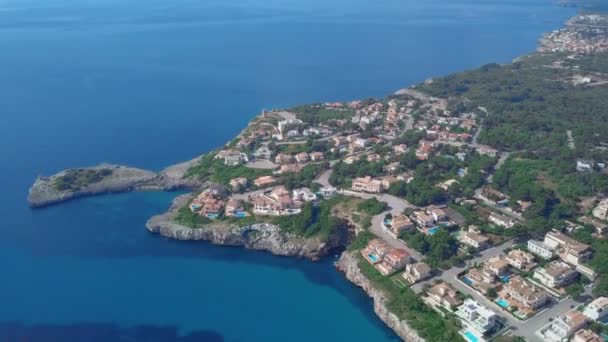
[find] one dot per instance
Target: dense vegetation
(372, 206)
(210, 169)
(316, 113)
(440, 249)
(76, 179)
(187, 218)
(531, 105)
(313, 220)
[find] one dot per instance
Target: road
(527, 328)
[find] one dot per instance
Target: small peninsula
(471, 207)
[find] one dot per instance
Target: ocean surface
(150, 83)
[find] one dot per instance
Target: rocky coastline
(348, 264)
(123, 179)
(259, 236)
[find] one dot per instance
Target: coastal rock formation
(259, 236)
(349, 265)
(45, 192)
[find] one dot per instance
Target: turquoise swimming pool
(470, 337)
(467, 281)
(503, 303)
(240, 214)
(505, 278)
(433, 230)
(373, 257)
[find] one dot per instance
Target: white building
(564, 326)
(304, 195)
(476, 318)
(328, 192)
(597, 309)
(555, 274)
(540, 249)
(601, 210)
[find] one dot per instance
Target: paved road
(262, 164)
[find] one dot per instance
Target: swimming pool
(504, 278)
(212, 216)
(240, 214)
(387, 222)
(470, 336)
(433, 230)
(467, 281)
(372, 257)
(503, 303)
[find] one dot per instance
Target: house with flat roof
(303, 195)
(539, 248)
(416, 272)
(597, 310)
(497, 265)
(564, 326)
(555, 274)
(476, 318)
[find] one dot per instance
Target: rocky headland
(45, 192)
(258, 236)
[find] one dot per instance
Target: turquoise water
(373, 257)
(433, 230)
(467, 281)
(240, 214)
(150, 83)
(505, 278)
(503, 303)
(470, 336)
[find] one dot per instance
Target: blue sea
(150, 83)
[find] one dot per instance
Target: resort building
(564, 326)
(263, 153)
(476, 318)
(539, 248)
(443, 295)
(277, 202)
(232, 157)
(416, 272)
(521, 260)
(555, 274)
(394, 260)
(586, 335)
(475, 240)
(367, 184)
(264, 181)
(212, 208)
(597, 310)
(523, 294)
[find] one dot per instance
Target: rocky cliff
(349, 264)
(259, 236)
